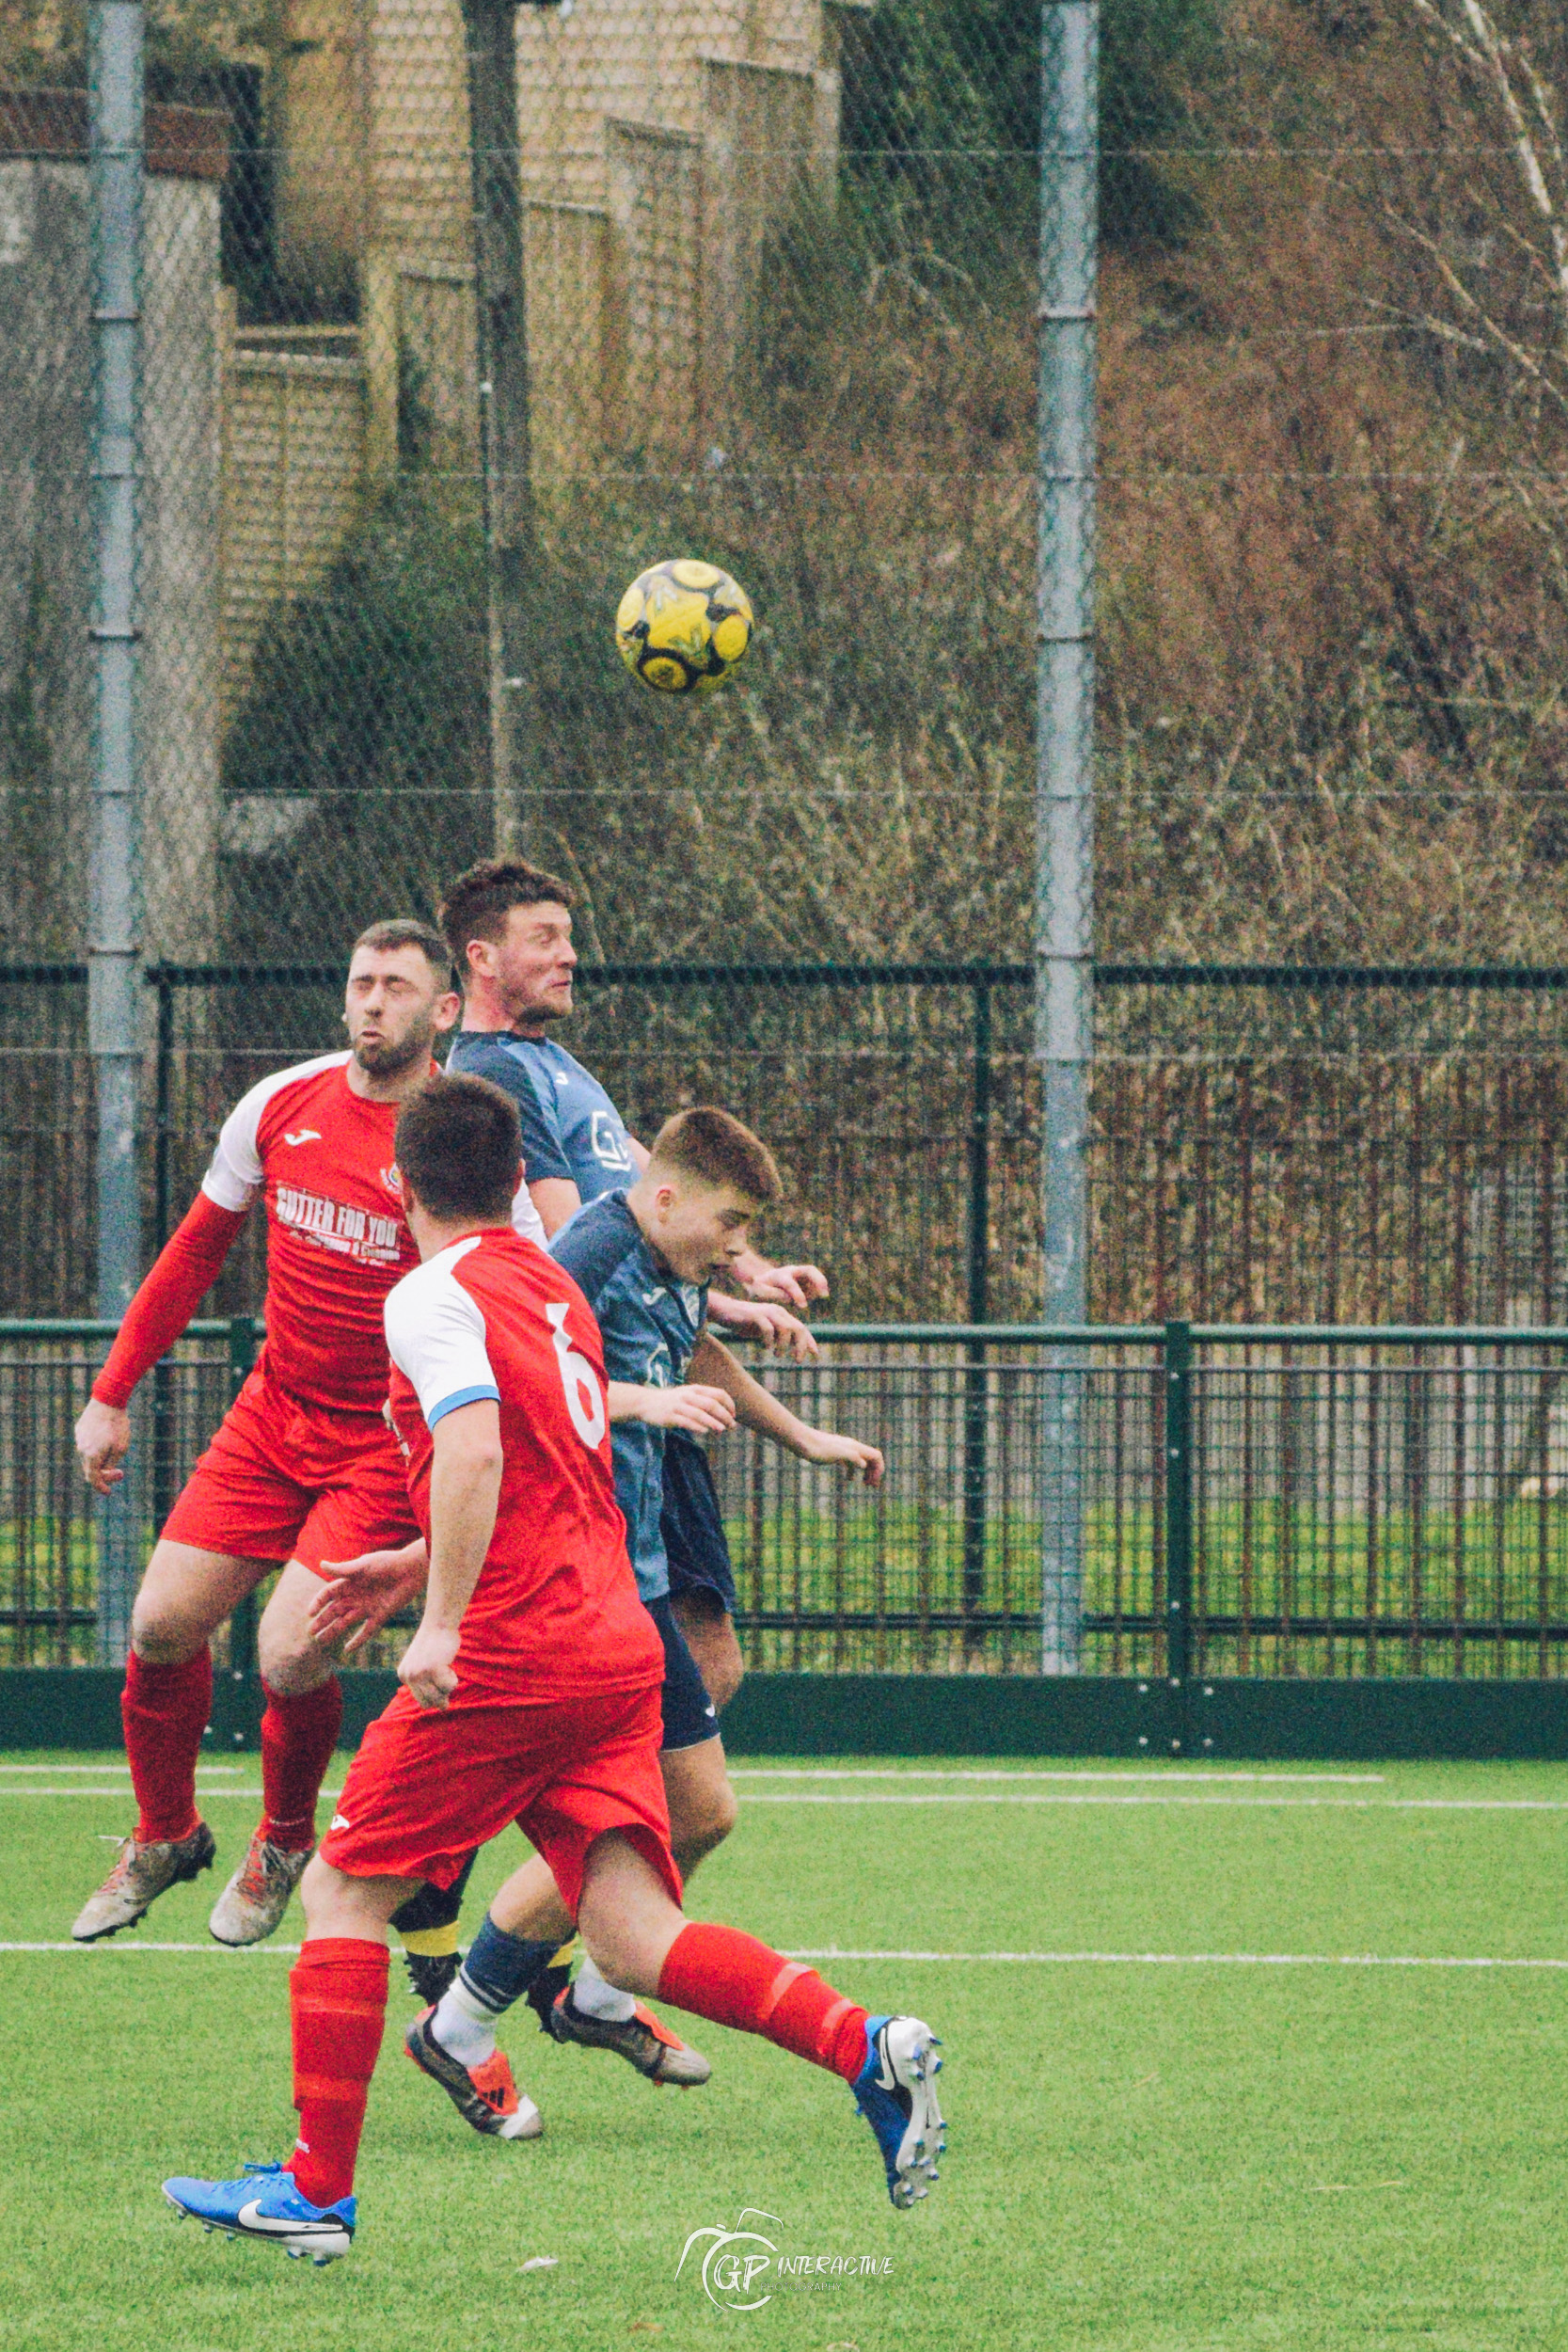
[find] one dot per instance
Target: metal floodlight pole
(117, 167)
(491, 39)
(1064, 824)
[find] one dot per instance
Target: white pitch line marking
(1273, 1804)
(1009, 1796)
(1174, 1779)
(62, 1772)
(125, 1792)
(1013, 1960)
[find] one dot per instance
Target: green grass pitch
(1143, 2157)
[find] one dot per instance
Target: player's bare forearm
(758, 1408)
(704, 1411)
(465, 1490)
(754, 1405)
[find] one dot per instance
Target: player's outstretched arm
(182, 1274)
(756, 1408)
(706, 1412)
(366, 1592)
(465, 1490)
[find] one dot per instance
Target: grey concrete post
(1063, 892)
(491, 34)
(118, 165)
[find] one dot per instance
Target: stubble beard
(382, 1060)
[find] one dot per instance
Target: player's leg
(426, 1925)
(638, 1936)
(354, 1501)
(186, 1595)
(425, 1788)
(301, 1716)
(703, 1809)
(520, 1952)
(710, 1636)
(338, 2009)
(702, 1574)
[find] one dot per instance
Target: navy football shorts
(692, 1530)
(689, 1715)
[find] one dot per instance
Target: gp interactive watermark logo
(742, 2269)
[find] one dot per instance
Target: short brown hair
(714, 1148)
(459, 1149)
(401, 930)
(477, 904)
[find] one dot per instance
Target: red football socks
(298, 1736)
(722, 1974)
(338, 2000)
(164, 1712)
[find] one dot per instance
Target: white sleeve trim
(436, 1336)
(236, 1174)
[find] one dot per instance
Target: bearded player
(303, 1468)
(531, 1693)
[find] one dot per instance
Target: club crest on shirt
(605, 1141)
(391, 1179)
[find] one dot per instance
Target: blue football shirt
(571, 1128)
(650, 1322)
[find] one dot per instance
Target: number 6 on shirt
(584, 1399)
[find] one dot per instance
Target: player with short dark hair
(529, 1695)
(303, 1470)
(643, 1259)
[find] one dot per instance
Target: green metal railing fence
(1306, 1145)
(1259, 1502)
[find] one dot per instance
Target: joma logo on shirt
(338, 1225)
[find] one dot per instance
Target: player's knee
(163, 1634)
(291, 1672)
(706, 1825)
(291, 1663)
(725, 1673)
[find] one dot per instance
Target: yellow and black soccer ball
(683, 627)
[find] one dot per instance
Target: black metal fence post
(163, 1495)
(1178, 1503)
(160, 979)
(243, 1716)
(979, 1287)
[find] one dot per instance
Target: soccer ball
(683, 627)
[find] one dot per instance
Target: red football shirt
(336, 1239)
(555, 1613)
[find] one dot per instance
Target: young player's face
(530, 967)
(698, 1230)
(395, 1011)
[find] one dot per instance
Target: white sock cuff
(595, 1997)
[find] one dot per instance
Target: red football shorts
(429, 1785)
(288, 1480)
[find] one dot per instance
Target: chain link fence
(453, 317)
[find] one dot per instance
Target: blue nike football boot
(896, 2092)
(265, 2204)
